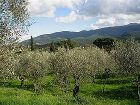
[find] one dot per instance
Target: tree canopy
(13, 19)
(105, 43)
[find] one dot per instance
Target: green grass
(117, 92)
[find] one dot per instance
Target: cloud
(47, 8)
(106, 12)
(115, 20)
(105, 7)
(68, 19)
(72, 17)
(103, 22)
(111, 12)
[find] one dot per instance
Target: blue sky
(43, 25)
(51, 16)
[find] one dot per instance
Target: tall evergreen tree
(32, 44)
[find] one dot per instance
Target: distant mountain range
(125, 31)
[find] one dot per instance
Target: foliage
(13, 19)
(127, 56)
(105, 43)
(52, 47)
(70, 67)
(6, 62)
(32, 65)
(67, 44)
(60, 66)
(79, 63)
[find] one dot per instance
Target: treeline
(67, 44)
(102, 43)
(53, 46)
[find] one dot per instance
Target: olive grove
(80, 64)
(70, 64)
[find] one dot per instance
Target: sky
(49, 16)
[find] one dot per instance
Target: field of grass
(117, 92)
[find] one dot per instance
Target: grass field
(117, 92)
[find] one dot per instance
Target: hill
(88, 36)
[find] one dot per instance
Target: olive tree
(127, 57)
(69, 63)
(99, 63)
(99, 60)
(13, 19)
(6, 63)
(13, 23)
(59, 65)
(78, 63)
(32, 65)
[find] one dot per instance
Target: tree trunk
(21, 78)
(138, 94)
(103, 82)
(93, 79)
(65, 83)
(76, 87)
(22, 83)
(138, 88)
(103, 87)
(76, 80)
(36, 87)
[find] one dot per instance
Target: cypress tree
(32, 44)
